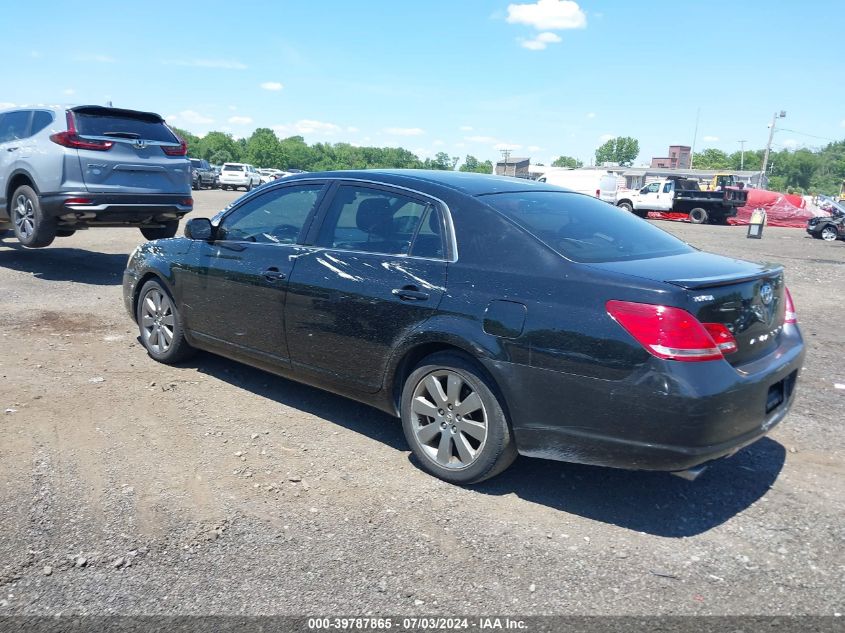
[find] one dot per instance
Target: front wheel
(160, 324)
(159, 233)
(31, 226)
(454, 422)
(698, 216)
(829, 233)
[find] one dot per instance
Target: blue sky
(544, 78)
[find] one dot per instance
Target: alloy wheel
(24, 216)
(449, 419)
(157, 321)
(829, 234)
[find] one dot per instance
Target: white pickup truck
(682, 195)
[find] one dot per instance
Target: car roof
(464, 182)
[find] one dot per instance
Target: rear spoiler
(770, 270)
(96, 110)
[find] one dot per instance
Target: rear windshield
(234, 168)
(584, 229)
(196, 162)
(122, 126)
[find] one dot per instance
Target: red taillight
(671, 333)
(71, 201)
(187, 202)
(598, 193)
(789, 315)
(182, 150)
(71, 138)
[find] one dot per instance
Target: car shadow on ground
(654, 503)
(64, 264)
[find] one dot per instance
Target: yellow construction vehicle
(719, 182)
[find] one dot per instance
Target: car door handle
(274, 274)
(410, 293)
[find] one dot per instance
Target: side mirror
(199, 229)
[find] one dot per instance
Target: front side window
(652, 188)
(276, 217)
(15, 125)
(376, 221)
(584, 229)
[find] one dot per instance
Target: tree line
(264, 149)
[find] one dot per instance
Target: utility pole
(775, 117)
(742, 154)
(694, 137)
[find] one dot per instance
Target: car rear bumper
(672, 419)
(115, 209)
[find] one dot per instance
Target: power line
(823, 138)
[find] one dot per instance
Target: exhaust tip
(690, 474)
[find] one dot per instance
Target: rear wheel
(454, 422)
(829, 233)
(159, 233)
(249, 186)
(626, 206)
(698, 216)
(160, 325)
(31, 226)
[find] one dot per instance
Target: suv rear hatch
(748, 299)
(132, 152)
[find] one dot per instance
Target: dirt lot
(131, 487)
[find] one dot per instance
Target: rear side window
(15, 125)
(120, 125)
(376, 221)
(584, 229)
(40, 120)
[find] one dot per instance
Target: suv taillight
(181, 150)
(672, 333)
(789, 315)
(71, 138)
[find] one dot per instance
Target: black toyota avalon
(495, 316)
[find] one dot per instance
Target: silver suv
(87, 166)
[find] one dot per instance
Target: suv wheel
(249, 186)
(454, 422)
(31, 226)
(829, 233)
(160, 324)
(159, 233)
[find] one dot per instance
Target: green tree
(567, 161)
(622, 150)
(213, 143)
(263, 149)
(472, 164)
(711, 159)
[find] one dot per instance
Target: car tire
(160, 324)
(65, 232)
(195, 184)
(451, 437)
(249, 186)
(32, 228)
(161, 232)
(625, 206)
(698, 216)
(829, 233)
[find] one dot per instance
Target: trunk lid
(748, 299)
(136, 162)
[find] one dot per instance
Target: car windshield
(584, 229)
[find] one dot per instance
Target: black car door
(377, 271)
(235, 293)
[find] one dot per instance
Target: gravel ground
(130, 487)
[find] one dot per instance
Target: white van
(593, 182)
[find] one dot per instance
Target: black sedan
(495, 316)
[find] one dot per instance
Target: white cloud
(508, 146)
(240, 120)
(540, 41)
(842, 123)
(438, 142)
(604, 138)
(69, 91)
(711, 139)
(5, 105)
(308, 126)
(404, 131)
(189, 116)
(223, 64)
(233, 108)
(459, 145)
(352, 129)
(480, 139)
(591, 115)
(274, 86)
(468, 128)
(534, 148)
(546, 15)
(790, 143)
(100, 59)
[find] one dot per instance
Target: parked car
(601, 184)
(234, 175)
(89, 166)
(269, 175)
(831, 227)
(494, 315)
(683, 195)
(203, 174)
